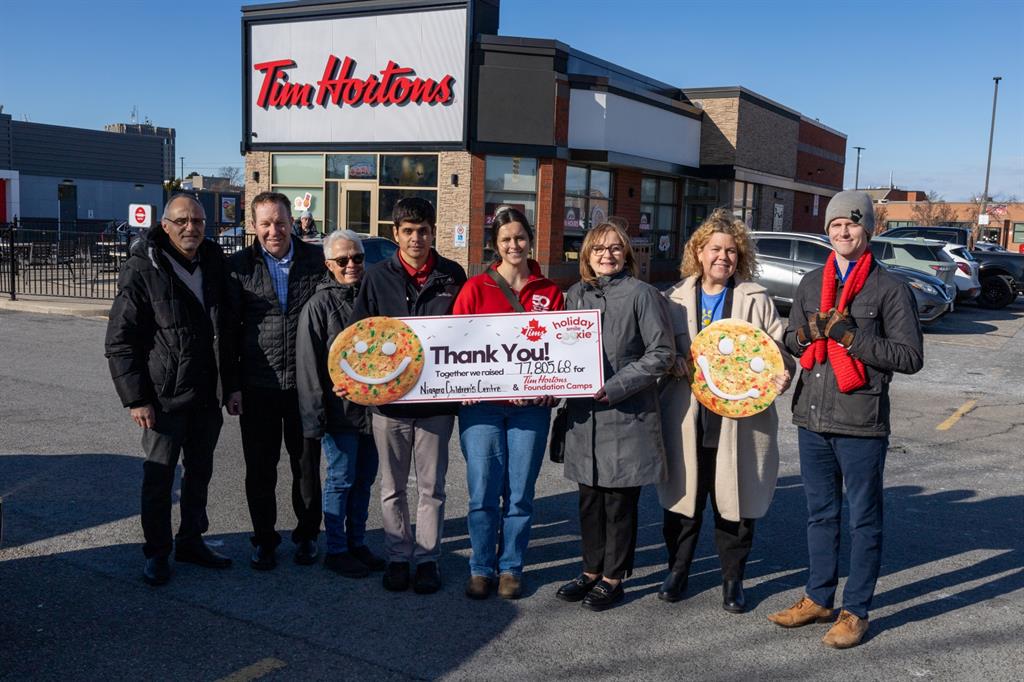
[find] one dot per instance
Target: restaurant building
(349, 106)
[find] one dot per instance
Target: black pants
(269, 415)
(608, 520)
(191, 432)
(732, 538)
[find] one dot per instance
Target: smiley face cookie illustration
(377, 360)
(734, 368)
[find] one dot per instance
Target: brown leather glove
(840, 328)
(814, 328)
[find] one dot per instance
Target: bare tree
(232, 173)
(881, 213)
(933, 211)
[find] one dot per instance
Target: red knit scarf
(850, 374)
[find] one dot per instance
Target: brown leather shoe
(478, 587)
(510, 586)
(848, 631)
(801, 613)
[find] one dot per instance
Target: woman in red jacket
(504, 442)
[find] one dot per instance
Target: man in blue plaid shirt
(270, 282)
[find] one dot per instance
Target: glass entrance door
(357, 202)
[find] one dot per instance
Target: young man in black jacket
(852, 325)
(165, 347)
(269, 284)
(416, 281)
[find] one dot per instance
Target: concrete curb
(57, 307)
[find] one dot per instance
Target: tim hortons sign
(392, 78)
(395, 85)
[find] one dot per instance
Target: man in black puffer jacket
(269, 284)
(164, 346)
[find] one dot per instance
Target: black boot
(157, 570)
(733, 599)
(674, 586)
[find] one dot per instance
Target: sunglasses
(342, 261)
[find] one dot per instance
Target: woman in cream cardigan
(734, 461)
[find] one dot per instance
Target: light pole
(183, 169)
(991, 134)
(856, 177)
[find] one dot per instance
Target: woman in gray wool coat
(613, 442)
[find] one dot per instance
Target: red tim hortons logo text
(394, 85)
(533, 330)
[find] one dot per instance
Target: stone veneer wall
(453, 205)
(256, 162)
(718, 130)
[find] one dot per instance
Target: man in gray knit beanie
(853, 205)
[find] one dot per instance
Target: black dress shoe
(428, 578)
(396, 576)
(306, 553)
(201, 554)
(577, 588)
(604, 596)
(369, 559)
(674, 586)
(344, 564)
(157, 570)
(263, 558)
(733, 599)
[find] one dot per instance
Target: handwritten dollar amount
(546, 367)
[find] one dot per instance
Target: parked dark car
(785, 257)
(1001, 272)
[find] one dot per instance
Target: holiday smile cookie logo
(571, 329)
(377, 360)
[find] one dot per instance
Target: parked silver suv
(785, 257)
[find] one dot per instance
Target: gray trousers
(403, 444)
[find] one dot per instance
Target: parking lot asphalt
(949, 605)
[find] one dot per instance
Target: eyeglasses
(183, 222)
(342, 261)
(614, 249)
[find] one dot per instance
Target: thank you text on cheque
(512, 355)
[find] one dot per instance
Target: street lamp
(856, 177)
(991, 134)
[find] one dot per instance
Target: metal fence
(73, 264)
(46, 262)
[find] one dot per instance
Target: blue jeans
(351, 468)
(826, 462)
(504, 448)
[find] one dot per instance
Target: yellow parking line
(955, 417)
(260, 668)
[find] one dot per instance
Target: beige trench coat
(747, 464)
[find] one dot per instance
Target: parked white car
(968, 286)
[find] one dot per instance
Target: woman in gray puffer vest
(613, 441)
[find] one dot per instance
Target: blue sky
(910, 81)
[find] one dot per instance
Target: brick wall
(766, 141)
(819, 170)
(765, 214)
(718, 130)
(453, 204)
(804, 219)
(477, 213)
(626, 206)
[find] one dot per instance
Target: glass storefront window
(702, 190)
(352, 166)
(305, 199)
(297, 169)
(659, 216)
(744, 202)
(387, 198)
(409, 170)
(588, 202)
(509, 181)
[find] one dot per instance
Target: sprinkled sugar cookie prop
(377, 360)
(735, 365)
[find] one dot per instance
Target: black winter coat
(264, 334)
(163, 347)
(324, 317)
(887, 339)
(388, 290)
